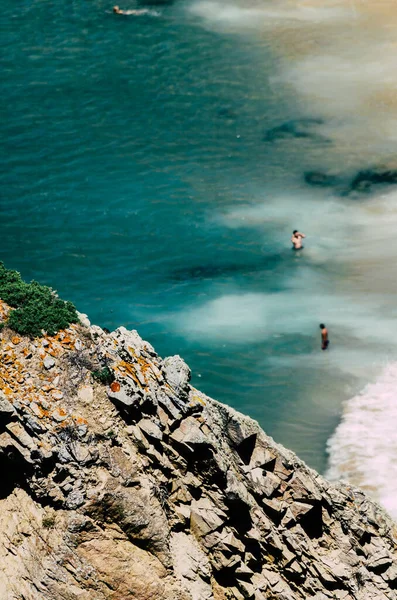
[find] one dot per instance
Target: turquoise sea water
(139, 181)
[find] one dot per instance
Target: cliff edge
(122, 481)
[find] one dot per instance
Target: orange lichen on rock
(124, 366)
(145, 367)
(198, 399)
(41, 412)
(115, 386)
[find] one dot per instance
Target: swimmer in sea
(296, 239)
(143, 11)
(324, 337)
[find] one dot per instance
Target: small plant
(104, 376)
(111, 434)
(48, 522)
(37, 307)
(69, 433)
(161, 492)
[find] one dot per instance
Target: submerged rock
(297, 128)
(364, 180)
(318, 178)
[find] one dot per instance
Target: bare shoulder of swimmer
(135, 12)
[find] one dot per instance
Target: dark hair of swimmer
(295, 231)
(322, 326)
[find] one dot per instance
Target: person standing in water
(296, 239)
(324, 337)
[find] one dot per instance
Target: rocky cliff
(121, 481)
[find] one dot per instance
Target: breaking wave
(363, 449)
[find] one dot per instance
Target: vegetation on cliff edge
(37, 307)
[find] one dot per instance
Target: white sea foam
(233, 317)
(247, 317)
(363, 449)
(260, 16)
(360, 233)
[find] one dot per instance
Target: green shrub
(48, 522)
(104, 376)
(37, 307)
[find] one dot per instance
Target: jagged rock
(20, 434)
(84, 320)
(302, 488)
(240, 430)
(80, 453)
(150, 429)
(264, 483)
(225, 561)
(191, 566)
(243, 572)
(390, 575)
(247, 589)
(177, 374)
(190, 433)
(174, 410)
(294, 512)
(7, 411)
(75, 499)
(379, 561)
(336, 562)
(132, 342)
(236, 491)
(205, 518)
(48, 362)
(155, 491)
(262, 457)
(125, 397)
(33, 425)
(86, 394)
(231, 542)
(12, 449)
(183, 512)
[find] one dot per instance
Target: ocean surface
(154, 167)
